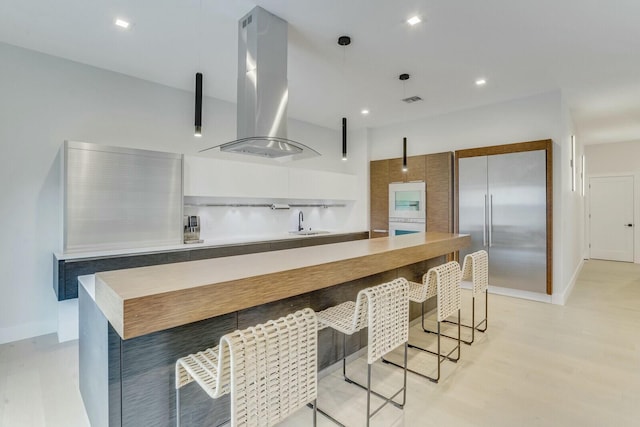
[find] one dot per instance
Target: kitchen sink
(308, 232)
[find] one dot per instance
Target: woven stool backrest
(387, 317)
(475, 269)
(212, 363)
(273, 369)
(446, 278)
(428, 289)
(360, 316)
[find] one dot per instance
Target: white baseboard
(534, 296)
(517, 293)
(561, 298)
(25, 331)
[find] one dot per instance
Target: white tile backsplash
(223, 222)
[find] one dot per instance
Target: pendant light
(198, 118)
(404, 155)
(198, 108)
(344, 138)
(403, 78)
(344, 41)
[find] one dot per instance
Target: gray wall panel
(93, 360)
(263, 313)
(115, 376)
(148, 375)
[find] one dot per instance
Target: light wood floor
(538, 365)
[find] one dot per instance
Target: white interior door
(611, 218)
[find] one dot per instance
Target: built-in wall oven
(399, 228)
(407, 208)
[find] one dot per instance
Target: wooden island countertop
(139, 301)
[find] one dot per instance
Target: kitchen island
(139, 321)
(68, 266)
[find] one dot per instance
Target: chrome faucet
(300, 219)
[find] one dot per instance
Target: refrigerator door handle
(490, 220)
(484, 223)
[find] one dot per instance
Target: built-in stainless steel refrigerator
(502, 204)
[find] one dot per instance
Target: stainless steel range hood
(262, 90)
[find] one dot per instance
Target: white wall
(542, 116)
(45, 100)
(569, 226)
(527, 119)
(621, 158)
(613, 158)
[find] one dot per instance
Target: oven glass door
(400, 228)
(407, 201)
(401, 232)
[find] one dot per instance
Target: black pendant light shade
(198, 118)
(344, 138)
(404, 154)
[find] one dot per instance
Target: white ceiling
(588, 48)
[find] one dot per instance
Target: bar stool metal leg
(177, 407)
(444, 283)
(476, 327)
(438, 332)
(441, 357)
(486, 313)
(384, 311)
(475, 271)
(387, 399)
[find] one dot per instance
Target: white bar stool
(443, 282)
(270, 370)
(475, 275)
(384, 310)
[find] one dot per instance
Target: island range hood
(262, 90)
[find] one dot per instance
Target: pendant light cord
(200, 37)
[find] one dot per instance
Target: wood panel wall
(439, 179)
(436, 170)
(379, 202)
(416, 169)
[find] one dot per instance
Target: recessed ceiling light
(414, 20)
(122, 23)
(481, 82)
(365, 112)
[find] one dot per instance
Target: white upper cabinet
(208, 177)
(313, 184)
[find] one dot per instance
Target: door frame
(518, 147)
(636, 211)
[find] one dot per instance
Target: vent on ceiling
(412, 99)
